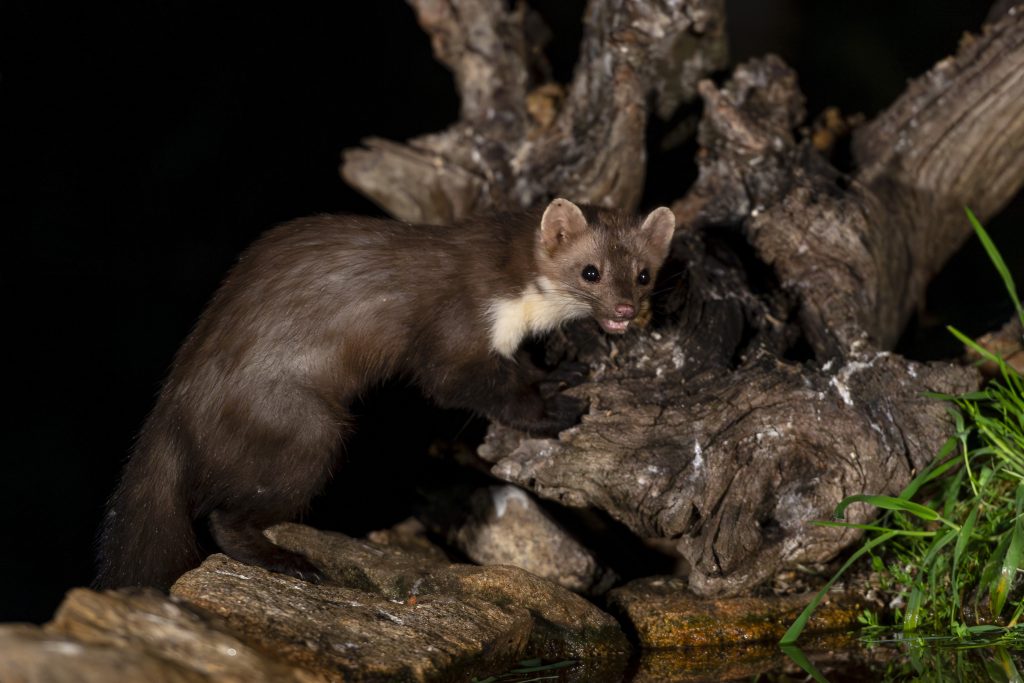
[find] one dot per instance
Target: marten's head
(605, 261)
(589, 261)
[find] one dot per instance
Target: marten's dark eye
(644, 277)
(591, 273)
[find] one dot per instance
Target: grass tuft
(954, 555)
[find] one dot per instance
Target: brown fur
(248, 423)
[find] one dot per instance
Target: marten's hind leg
(240, 535)
(283, 459)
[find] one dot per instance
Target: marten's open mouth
(614, 326)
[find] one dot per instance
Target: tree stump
(765, 389)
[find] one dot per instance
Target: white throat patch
(540, 308)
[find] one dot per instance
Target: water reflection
(827, 659)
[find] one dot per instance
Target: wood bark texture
(522, 139)
(765, 389)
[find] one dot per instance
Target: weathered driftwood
(520, 140)
(704, 429)
(859, 251)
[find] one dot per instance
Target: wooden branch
(483, 44)
(954, 138)
(859, 252)
(517, 143)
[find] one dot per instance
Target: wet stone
(664, 614)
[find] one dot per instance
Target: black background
(146, 143)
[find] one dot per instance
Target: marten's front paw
(561, 412)
(544, 417)
(567, 374)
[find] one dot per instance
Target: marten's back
(336, 302)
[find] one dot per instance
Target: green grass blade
(938, 543)
(889, 503)
(974, 396)
(1007, 669)
(935, 470)
(874, 527)
(798, 626)
(1017, 613)
(987, 583)
(912, 617)
(797, 655)
(1012, 561)
(976, 347)
(954, 485)
(931, 566)
(531, 666)
(997, 261)
(958, 551)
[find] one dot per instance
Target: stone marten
(250, 419)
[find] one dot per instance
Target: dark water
(832, 659)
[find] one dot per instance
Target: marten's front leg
(506, 391)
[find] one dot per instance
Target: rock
(398, 612)
(388, 613)
(350, 634)
(409, 535)
(394, 572)
(391, 613)
(565, 625)
(505, 525)
(664, 614)
(30, 655)
(148, 621)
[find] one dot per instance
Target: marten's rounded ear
(658, 229)
(562, 222)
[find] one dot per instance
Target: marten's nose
(626, 311)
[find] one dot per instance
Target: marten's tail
(147, 537)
